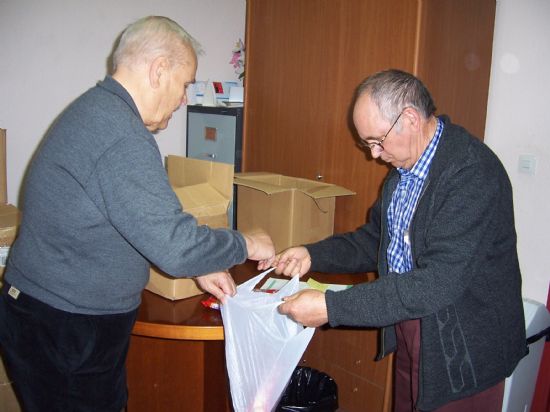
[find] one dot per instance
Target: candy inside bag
(211, 302)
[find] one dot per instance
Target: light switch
(527, 164)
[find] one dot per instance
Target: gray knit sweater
(98, 208)
(465, 285)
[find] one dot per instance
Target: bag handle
(249, 284)
(289, 288)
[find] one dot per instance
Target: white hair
(151, 37)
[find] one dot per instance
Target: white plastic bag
(262, 347)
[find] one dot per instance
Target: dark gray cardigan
(465, 285)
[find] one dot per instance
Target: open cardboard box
(10, 216)
(8, 400)
(205, 190)
(294, 211)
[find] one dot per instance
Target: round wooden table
(176, 360)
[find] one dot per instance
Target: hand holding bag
(262, 347)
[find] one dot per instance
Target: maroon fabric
(490, 400)
(406, 365)
(406, 378)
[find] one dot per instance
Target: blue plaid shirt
(403, 204)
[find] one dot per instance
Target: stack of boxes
(293, 211)
(9, 222)
(9, 215)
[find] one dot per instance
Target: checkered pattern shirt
(403, 204)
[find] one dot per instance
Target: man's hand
(307, 307)
(218, 284)
(259, 245)
(294, 261)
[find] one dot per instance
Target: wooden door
(304, 60)
(454, 58)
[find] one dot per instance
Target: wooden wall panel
(176, 375)
(454, 60)
(303, 66)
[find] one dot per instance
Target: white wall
(52, 51)
(518, 123)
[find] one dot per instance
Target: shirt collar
(422, 166)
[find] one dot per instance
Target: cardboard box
(292, 210)
(170, 287)
(10, 217)
(205, 190)
(8, 400)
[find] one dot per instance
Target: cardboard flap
(202, 200)
(271, 183)
(10, 218)
(184, 171)
(266, 182)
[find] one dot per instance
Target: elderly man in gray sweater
(98, 208)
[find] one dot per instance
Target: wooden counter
(176, 360)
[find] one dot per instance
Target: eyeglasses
(378, 143)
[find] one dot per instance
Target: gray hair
(151, 37)
(394, 90)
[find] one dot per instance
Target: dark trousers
(61, 361)
(406, 378)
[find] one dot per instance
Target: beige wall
(52, 51)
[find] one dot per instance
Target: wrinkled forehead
(365, 110)
(186, 55)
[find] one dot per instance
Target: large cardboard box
(9, 214)
(8, 400)
(205, 190)
(292, 210)
(9, 223)
(10, 218)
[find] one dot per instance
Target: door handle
(210, 155)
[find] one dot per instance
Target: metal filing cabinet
(215, 134)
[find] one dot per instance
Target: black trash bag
(309, 391)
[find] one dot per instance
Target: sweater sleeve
(352, 252)
(135, 195)
(464, 233)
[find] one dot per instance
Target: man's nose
(184, 100)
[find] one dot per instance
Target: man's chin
(157, 128)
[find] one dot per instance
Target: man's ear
(412, 117)
(157, 69)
